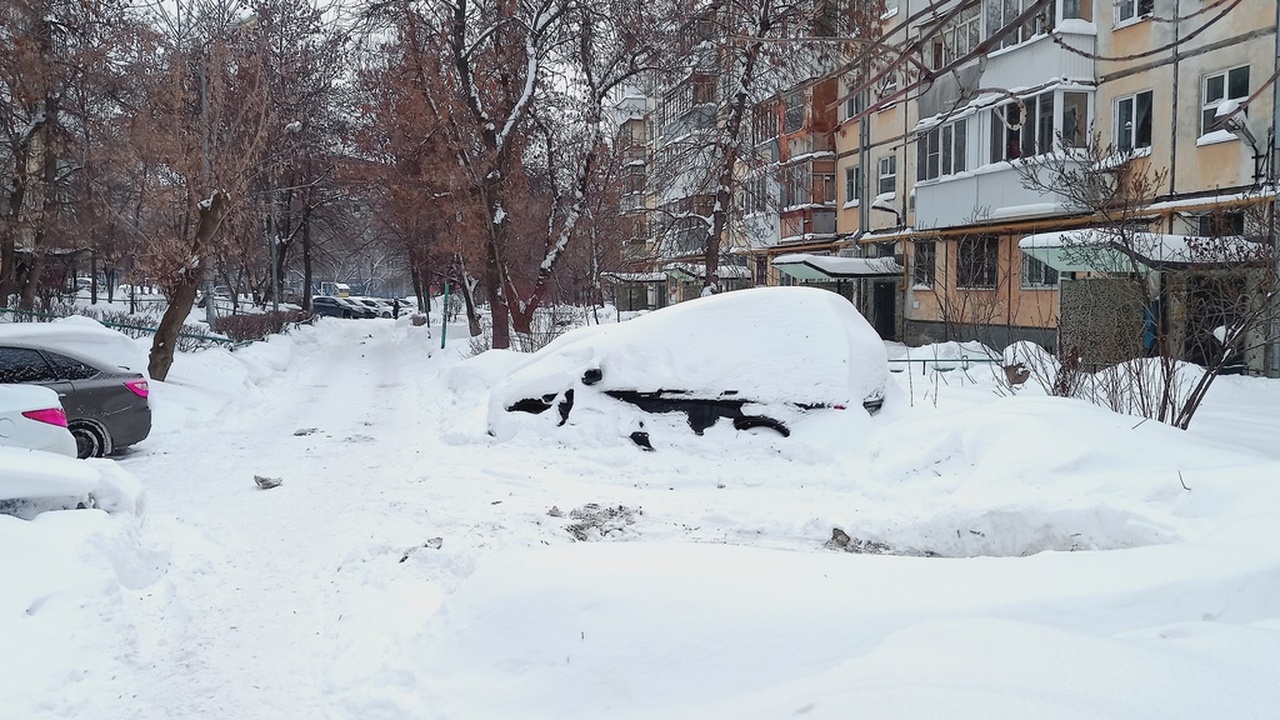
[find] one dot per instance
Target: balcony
(1017, 68)
(989, 193)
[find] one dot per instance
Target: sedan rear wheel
(91, 441)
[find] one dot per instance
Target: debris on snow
(434, 543)
(266, 483)
(840, 540)
(597, 523)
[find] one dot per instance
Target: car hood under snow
(792, 345)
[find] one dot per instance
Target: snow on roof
(1105, 251)
(634, 276)
(83, 336)
(827, 267)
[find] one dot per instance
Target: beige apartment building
(939, 179)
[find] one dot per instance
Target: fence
(187, 339)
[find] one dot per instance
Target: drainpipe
(1173, 121)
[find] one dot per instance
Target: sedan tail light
(53, 416)
(139, 387)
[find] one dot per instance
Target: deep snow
(1046, 558)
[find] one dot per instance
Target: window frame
(1134, 141)
(924, 264)
(981, 269)
(793, 102)
(1027, 140)
(852, 184)
(1138, 10)
(1209, 108)
(942, 150)
(1035, 274)
(891, 175)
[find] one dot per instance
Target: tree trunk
(468, 298)
(27, 298)
(8, 268)
(183, 296)
(306, 263)
(415, 277)
(498, 310)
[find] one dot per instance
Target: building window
(1220, 87)
(765, 122)
(793, 120)
(1133, 121)
(888, 175)
(852, 183)
(942, 150)
(957, 38)
(1022, 130)
(1075, 119)
(1222, 224)
(824, 187)
(797, 185)
(1127, 10)
(1036, 274)
(1077, 10)
(1001, 13)
(924, 267)
(977, 261)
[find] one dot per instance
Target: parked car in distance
(106, 406)
(329, 306)
(341, 307)
(381, 308)
(31, 417)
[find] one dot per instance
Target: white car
(381, 308)
(31, 417)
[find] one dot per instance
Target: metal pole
(1273, 342)
(444, 314)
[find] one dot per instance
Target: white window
(1230, 85)
(957, 38)
(1022, 130)
(1002, 13)
(1127, 10)
(942, 150)
(1133, 121)
(888, 174)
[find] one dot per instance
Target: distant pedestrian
(395, 308)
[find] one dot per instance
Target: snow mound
(82, 336)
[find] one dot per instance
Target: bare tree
(1151, 303)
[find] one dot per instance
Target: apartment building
(957, 182)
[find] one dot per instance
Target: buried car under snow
(756, 358)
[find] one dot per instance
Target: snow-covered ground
(1029, 557)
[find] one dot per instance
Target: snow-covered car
(106, 405)
(31, 417)
(103, 484)
(759, 358)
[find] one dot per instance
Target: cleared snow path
(251, 612)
